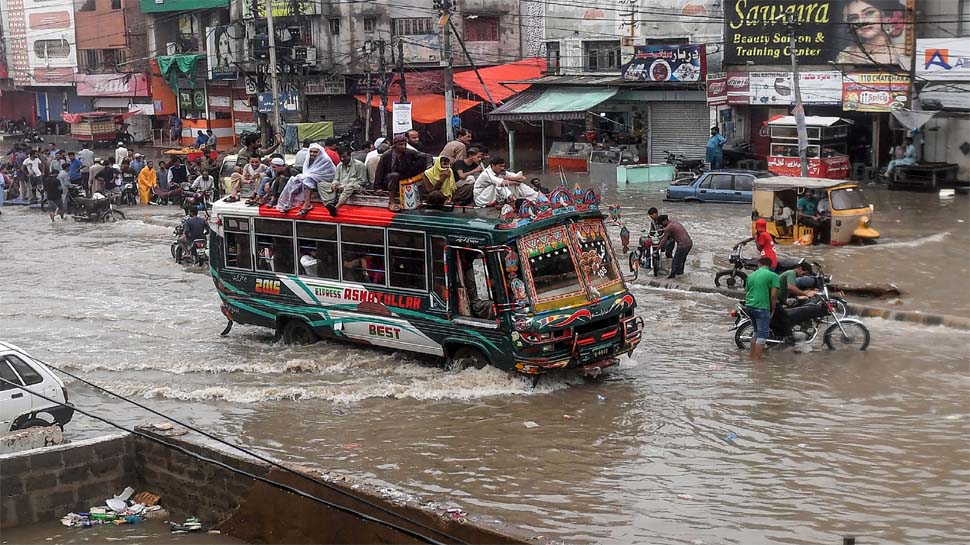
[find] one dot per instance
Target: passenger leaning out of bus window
(439, 182)
(350, 177)
(317, 169)
(396, 165)
(495, 185)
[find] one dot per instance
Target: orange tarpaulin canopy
(424, 108)
(496, 78)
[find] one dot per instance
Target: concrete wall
(44, 484)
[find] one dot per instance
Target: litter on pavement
(120, 509)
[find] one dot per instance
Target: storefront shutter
(679, 127)
(340, 109)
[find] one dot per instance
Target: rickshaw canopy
(780, 183)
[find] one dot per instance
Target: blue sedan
(717, 186)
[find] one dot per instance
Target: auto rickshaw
(849, 213)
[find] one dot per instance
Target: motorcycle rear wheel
(731, 279)
(742, 335)
(856, 336)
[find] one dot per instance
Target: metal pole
(448, 72)
(799, 109)
(543, 150)
(400, 70)
(274, 82)
(512, 151)
(370, 94)
(383, 68)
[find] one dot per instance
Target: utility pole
(274, 81)
(799, 109)
(400, 69)
(444, 7)
(381, 44)
(370, 91)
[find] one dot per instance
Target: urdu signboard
(665, 63)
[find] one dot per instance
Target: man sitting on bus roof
(350, 176)
(397, 164)
(317, 169)
(496, 185)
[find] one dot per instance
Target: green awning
(159, 6)
(551, 104)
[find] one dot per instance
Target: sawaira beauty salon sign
(856, 32)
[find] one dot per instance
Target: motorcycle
(194, 199)
(807, 320)
(647, 255)
(178, 250)
(73, 202)
(129, 193)
(31, 136)
(97, 209)
(683, 165)
(735, 277)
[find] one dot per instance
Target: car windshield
(550, 260)
(227, 167)
(596, 260)
(848, 198)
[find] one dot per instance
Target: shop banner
(717, 89)
(192, 100)
(943, 59)
(326, 85)
(222, 47)
(874, 92)
(776, 88)
(112, 85)
(738, 88)
(860, 32)
(401, 116)
(666, 63)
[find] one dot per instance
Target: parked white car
(20, 409)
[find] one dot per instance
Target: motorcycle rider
(658, 230)
(193, 228)
(787, 287)
(765, 242)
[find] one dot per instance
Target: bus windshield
(595, 257)
(550, 261)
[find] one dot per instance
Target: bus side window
(274, 246)
(407, 267)
(317, 244)
(238, 252)
(362, 252)
(438, 285)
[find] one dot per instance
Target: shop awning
(499, 79)
(426, 108)
(551, 104)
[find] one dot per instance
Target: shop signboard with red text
(874, 92)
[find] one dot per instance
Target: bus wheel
(298, 332)
(467, 356)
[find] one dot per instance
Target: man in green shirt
(787, 288)
(761, 292)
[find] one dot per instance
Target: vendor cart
(98, 127)
(827, 147)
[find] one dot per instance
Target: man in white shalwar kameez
(495, 185)
(317, 168)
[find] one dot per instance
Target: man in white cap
(121, 153)
(374, 157)
(317, 169)
(265, 191)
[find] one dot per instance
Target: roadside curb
(914, 316)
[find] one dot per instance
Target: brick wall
(44, 484)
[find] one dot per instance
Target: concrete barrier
(30, 438)
(914, 316)
(42, 485)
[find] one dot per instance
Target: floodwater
(685, 443)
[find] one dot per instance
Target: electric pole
(274, 81)
(400, 69)
(799, 109)
(381, 44)
(444, 7)
(370, 91)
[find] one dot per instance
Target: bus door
(470, 296)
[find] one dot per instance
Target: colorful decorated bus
(531, 290)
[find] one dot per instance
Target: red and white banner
(113, 85)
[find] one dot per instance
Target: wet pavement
(685, 442)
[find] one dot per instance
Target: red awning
(424, 108)
(497, 78)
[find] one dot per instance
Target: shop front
(120, 93)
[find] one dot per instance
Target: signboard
(223, 48)
(401, 117)
(738, 88)
(874, 92)
(326, 85)
(281, 8)
(192, 99)
(717, 89)
(662, 63)
(776, 88)
(842, 31)
(112, 85)
(289, 102)
(943, 59)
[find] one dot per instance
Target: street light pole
(799, 109)
(445, 17)
(274, 81)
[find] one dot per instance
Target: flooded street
(685, 443)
